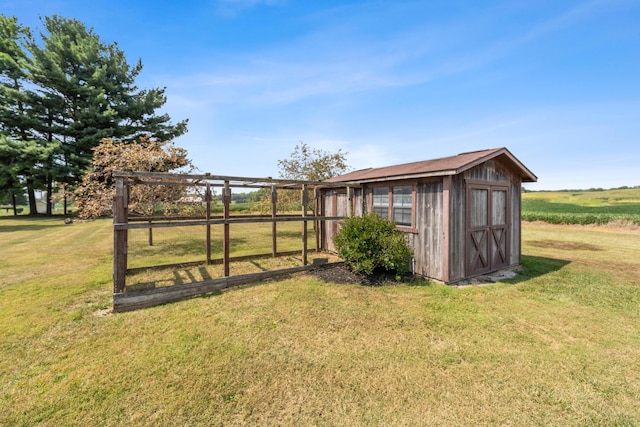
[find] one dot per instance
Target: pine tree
(21, 151)
(79, 90)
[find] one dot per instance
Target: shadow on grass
(536, 266)
(290, 234)
(178, 278)
(31, 223)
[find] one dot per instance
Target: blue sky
(556, 82)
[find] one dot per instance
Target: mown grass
(557, 345)
(582, 207)
(187, 244)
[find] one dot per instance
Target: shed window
(395, 203)
(402, 204)
(381, 201)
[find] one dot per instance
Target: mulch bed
(341, 274)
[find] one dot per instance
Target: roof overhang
(450, 166)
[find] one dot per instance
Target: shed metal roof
(438, 167)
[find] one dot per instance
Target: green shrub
(369, 242)
(579, 218)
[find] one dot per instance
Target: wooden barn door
(487, 228)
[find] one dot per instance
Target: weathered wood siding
(335, 203)
(457, 229)
(427, 242)
(358, 202)
(326, 227)
(515, 255)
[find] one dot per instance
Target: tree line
(62, 93)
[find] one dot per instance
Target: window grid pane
(402, 216)
(402, 204)
(382, 212)
(381, 201)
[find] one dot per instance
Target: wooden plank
(213, 217)
(446, 227)
(429, 223)
(231, 220)
(133, 300)
(516, 222)
(457, 224)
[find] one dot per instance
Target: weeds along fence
(176, 235)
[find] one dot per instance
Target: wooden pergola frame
(124, 300)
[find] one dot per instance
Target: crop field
(583, 207)
(557, 345)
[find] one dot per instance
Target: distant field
(582, 207)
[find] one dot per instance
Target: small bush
(369, 242)
(579, 218)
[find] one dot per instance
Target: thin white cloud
(306, 68)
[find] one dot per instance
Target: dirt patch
(563, 245)
(103, 313)
(341, 274)
(616, 225)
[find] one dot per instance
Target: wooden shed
(460, 214)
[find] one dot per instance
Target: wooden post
(207, 198)
(348, 201)
(226, 191)
(304, 224)
(120, 203)
(446, 228)
(316, 222)
(274, 228)
(150, 234)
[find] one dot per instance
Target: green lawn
(558, 345)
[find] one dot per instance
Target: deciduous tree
(308, 164)
(94, 196)
(312, 164)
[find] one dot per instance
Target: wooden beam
(316, 223)
(120, 237)
(226, 197)
(148, 298)
(209, 177)
(274, 214)
(304, 224)
(207, 198)
(231, 220)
